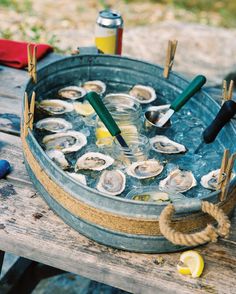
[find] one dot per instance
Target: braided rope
(209, 234)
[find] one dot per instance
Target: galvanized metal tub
(113, 221)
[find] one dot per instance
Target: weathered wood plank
(13, 81)
(10, 113)
(26, 222)
(12, 86)
(138, 273)
(10, 149)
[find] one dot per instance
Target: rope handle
(209, 234)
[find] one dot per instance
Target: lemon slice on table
(84, 109)
(191, 263)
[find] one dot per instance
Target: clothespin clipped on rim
(32, 61)
(170, 55)
(227, 93)
(225, 173)
(28, 114)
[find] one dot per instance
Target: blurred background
(205, 29)
(54, 21)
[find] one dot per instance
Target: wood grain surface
(30, 229)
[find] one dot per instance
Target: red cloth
(14, 54)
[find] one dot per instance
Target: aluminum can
(108, 32)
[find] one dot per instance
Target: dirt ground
(56, 22)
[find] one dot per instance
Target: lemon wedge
(193, 263)
(84, 109)
(102, 133)
(104, 137)
(183, 269)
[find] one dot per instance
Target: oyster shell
(178, 181)
(93, 161)
(95, 86)
(78, 177)
(54, 125)
(59, 158)
(145, 169)
(210, 180)
(143, 94)
(67, 142)
(55, 106)
(72, 92)
(121, 102)
(84, 109)
(163, 144)
(112, 182)
(152, 196)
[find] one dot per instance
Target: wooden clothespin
(227, 93)
(32, 61)
(28, 114)
(223, 167)
(172, 45)
(227, 174)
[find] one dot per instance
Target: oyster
(59, 158)
(78, 177)
(95, 86)
(210, 180)
(121, 102)
(145, 169)
(67, 142)
(163, 144)
(72, 92)
(178, 181)
(84, 109)
(112, 182)
(93, 161)
(55, 106)
(158, 196)
(143, 94)
(54, 125)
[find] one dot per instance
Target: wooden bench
(30, 229)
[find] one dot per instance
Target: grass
(224, 9)
(19, 6)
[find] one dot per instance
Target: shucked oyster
(143, 94)
(84, 109)
(78, 177)
(93, 161)
(54, 125)
(210, 180)
(95, 86)
(163, 144)
(145, 169)
(67, 142)
(153, 196)
(72, 92)
(59, 158)
(55, 106)
(112, 182)
(178, 181)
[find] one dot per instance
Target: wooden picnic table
(30, 229)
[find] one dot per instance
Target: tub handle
(209, 234)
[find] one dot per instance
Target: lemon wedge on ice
(104, 137)
(191, 263)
